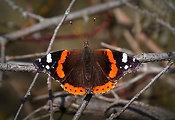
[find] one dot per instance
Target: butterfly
(87, 71)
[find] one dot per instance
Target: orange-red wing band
(114, 70)
(74, 90)
(104, 88)
(59, 69)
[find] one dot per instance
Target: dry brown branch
(137, 110)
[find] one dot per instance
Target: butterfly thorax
(87, 58)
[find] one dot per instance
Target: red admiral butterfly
(87, 71)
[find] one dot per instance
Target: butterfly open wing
(54, 63)
(87, 71)
(115, 64)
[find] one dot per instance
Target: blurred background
(139, 26)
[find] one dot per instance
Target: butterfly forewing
(57, 63)
(115, 62)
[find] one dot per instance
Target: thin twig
(83, 106)
(26, 95)
(104, 98)
(59, 25)
(3, 45)
(139, 111)
(139, 93)
(114, 94)
(50, 97)
(129, 82)
(155, 15)
(35, 111)
(55, 20)
(7, 58)
(169, 4)
(152, 57)
(116, 48)
(57, 94)
(48, 50)
(18, 67)
(23, 12)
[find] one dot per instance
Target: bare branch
(155, 15)
(152, 57)
(59, 25)
(137, 110)
(7, 58)
(143, 58)
(139, 93)
(55, 20)
(48, 50)
(23, 12)
(26, 95)
(3, 46)
(18, 67)
(83, 106)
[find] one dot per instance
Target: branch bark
(137, 110)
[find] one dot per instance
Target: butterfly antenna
(76, 29)
(90, 34)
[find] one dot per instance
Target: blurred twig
(23, 12)
(7, 58)
(48, 50)
(3, 46)
(100, 107)
(140, 92)
(154, 15)
(55, 20)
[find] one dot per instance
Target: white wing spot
(39, 60)
(47, 67)
(124, 58)
(126, 67)
(133, 59)
(49, 58)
